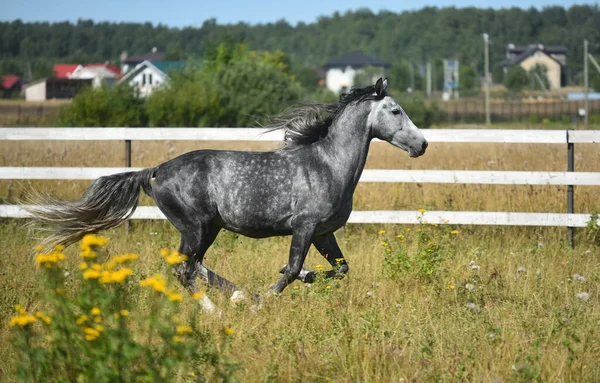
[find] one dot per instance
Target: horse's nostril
(424, 146)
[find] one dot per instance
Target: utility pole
(585, 81)
(488, 120)
(428, 79)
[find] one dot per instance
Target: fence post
(127, 164)
(570, 188)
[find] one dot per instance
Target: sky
(182, 13)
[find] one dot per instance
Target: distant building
(130, 62)
(54, 88)
(149, 75)
(100, 74)
(11, 86)
(341, 70)
(554, 58)
(65, 70)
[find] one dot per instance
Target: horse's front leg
(328, 247)
(301, 240)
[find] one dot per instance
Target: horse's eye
(397, 111)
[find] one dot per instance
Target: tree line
(407, 40)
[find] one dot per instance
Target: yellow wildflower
(45, 318)
(454, 232)
(83, 266)
(319, 267)
(21, 320)
(177, 338)
(385, 244)
(183, 329)
(91, 334)
(328, 287)
(164, 253)
(157, 282)
(20, 310)
(450, 285)
(91, 274)
(407, 229)
(39, 248)
(175, 258)
(422, 211)
(95, 311)
(381, 232)
(120, 259)
(339, 260)
(88, 253)
(228, 331)
(198, 295)
(174, 297)
(82, 319)
(50, 259)
(92, 240)
(124, 313)
(115, 276)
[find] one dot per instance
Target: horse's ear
(385, 83)
(379, 87)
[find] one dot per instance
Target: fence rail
(564, 137)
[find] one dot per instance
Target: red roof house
(110, 67)
(65, 70)
(9, 81)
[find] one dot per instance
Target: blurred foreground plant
(95, 333)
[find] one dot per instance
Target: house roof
(150, 56)
(64, 70)
(356, 59)
(9, 81)
(110, 67)
(162, 66)
(167, 66)
(522, 52)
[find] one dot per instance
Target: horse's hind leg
(328, 247)
(194, 244)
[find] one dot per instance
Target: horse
(303, 189)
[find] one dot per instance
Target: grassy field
(421, 302)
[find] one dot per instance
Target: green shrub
(93, 332)
(105, 106)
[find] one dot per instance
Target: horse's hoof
(208, 306)
(238, 296)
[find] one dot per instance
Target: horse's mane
(309, 121)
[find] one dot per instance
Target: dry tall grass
(510, 325)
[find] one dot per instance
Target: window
(150, 79)
(143, 79)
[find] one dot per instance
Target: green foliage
(418, 253)
(367, 76)
(539, 73)
(105, 106)
(232, 87)
(517, 78)
(467, 78)
(592, 231)
(307, 77)
(92, 333)
(400, 76)
(423, 35)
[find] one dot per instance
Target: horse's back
(246, 192)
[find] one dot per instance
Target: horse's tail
(108, 201)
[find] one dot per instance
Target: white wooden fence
(563, 137)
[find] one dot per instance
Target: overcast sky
(181, 13)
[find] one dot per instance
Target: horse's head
(388, 122)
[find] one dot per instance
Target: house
(10, 86)
(65, 70)
(341, 70)
(554, 58)
(149, 75)
(130, 62)
(54, 88)
(100, 74)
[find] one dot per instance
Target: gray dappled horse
(304, 189)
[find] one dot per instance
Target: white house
(149, 75)
(98, 73)
(341, 70)
(554, 58)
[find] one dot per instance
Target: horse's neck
(347, 146)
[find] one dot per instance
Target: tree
(516, 78)
(467, 78)
(367, 76)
